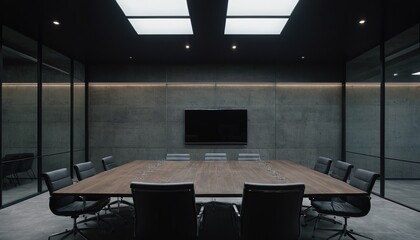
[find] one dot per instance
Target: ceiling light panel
(254, 26)
(261, 7)
(150, 8)
(162, 26)
(416, 74)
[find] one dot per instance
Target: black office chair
(215, 157)
(249, 157)
(178, 157)
(25, 162)
(9, 171)
(341, 171)
(350, 205)
(109, 163)
(165, 211)
(84, 170)
(323, 165)
(271, 211)
(69, 206)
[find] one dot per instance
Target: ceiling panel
(98, 31)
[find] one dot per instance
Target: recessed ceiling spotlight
(416, 74)
(395, 74)
(303, 57)
(130, 57)
(234, 46)
(187, 46)
(362, 21)
(55, 22)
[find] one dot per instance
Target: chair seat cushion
(326, 198)
(76, 208)
(337, 207)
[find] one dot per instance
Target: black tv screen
(216, 127)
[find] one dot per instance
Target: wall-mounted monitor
(218, 127)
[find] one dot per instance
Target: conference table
(210, 178)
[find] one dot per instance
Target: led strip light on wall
(214, 84)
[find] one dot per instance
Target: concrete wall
(19, 114)
(145, 120)
(402, 128)
(363, 125)
(402, 117)
(56, 126)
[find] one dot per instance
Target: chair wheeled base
(340, 232)
(98, 218)
(74, 231)
(120, 201)
(319, 217)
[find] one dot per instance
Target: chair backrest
(178, 157)
(25, 160)
(56, 180)
(323, 165)
(11, 156)
(249, 157)
(341, 170)
(109, 163)
(363, 180)
(164, 210)
(215, 156)
(271, 211)
(84, 170)
(9, 167)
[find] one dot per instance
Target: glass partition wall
(397, 71)
(19, 116)
(363, 79)
(79, 151)
(61, 97)
(55, 110)
(402, 118)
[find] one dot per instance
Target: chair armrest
(84, 202)
(236, 210)
(200, 214)
(200, 217)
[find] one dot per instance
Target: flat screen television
(218, 127)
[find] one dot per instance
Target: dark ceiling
(96, 31)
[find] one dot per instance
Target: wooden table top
(211, 178)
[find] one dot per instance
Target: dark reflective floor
(406, 192)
